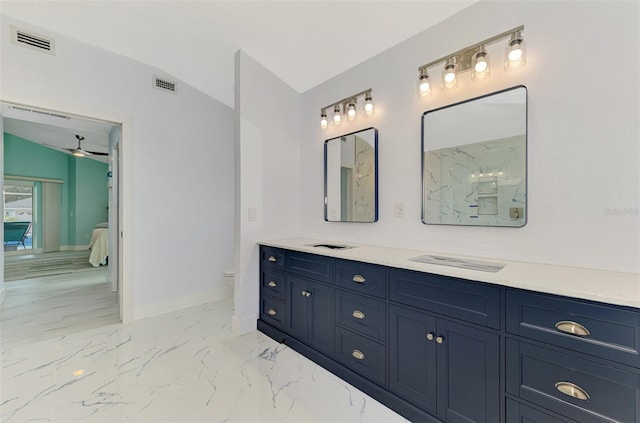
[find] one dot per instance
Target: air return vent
(164, 84)
(32, 40)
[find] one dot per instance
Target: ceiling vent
(32, 41)
(41, 112)
(164, 84)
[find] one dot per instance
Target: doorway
(70, 219)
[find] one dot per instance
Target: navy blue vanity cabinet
(273, 307)
(520, 413)
(361, 319)
(451, 368)
(578, 359)
(310, 317)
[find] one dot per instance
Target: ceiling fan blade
(97, 153)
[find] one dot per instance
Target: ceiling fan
(80, 152)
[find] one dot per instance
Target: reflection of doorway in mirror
(346, 178)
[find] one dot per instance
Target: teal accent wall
(90, 197)
(84, 193)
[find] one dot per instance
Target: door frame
(125, 196)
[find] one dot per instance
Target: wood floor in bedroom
(27, 266)
(52, 306)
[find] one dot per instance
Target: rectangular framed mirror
(351, 177)
(474, 161)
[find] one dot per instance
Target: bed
(99, 246)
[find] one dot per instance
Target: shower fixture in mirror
(351, 177)
(474, 161)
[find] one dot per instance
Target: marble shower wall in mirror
(475, 161)
(351, 181)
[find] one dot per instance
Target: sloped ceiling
(304, 42)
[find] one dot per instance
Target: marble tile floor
(185, 366)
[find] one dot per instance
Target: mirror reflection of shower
(350, 177)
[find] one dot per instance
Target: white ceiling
(304, 42)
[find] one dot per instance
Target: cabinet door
(320, 317)
(412, 356)
(297, 321)
(468, 373)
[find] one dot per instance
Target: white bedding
(99, 247)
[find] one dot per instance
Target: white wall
(177, 172)
(268, 170)
(583, 151)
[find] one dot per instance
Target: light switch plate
(251, 215)
(399, 209)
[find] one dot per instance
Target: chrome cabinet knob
(439, 339)
(358, 354)
(572, 328)
(572, 390)
(272, 259)
(358, 279)
(357, 314)
(430, 336)
(272, 284)
(272, 312)
(304, 293)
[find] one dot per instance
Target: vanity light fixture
(424, 83)
(515, 56)
(323, 119)
(368, 104)
(348, 106)
(351, 109)
(476, 59)
(480, 65)
(337, 115)
(449, 71)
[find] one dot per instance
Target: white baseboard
(246, 324)
(23, 252)
(150, 310)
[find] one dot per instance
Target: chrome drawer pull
(572, 390)
(573, 328)
(272, 312)
(358, 314)
(358, 278)
(358, 354)
(272, 259)
(430, 336)
(440, 339)
(272, 284)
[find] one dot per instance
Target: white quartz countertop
(590, 284)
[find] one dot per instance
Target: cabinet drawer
(540, 375)
(471, 301)
(361, 277)
(362, 355)
(272, 257)
(520, 413)
(273, 311)
(310, 266)
(273, 283)
(605, 331)
(361, 314)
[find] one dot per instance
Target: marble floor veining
(185, 366)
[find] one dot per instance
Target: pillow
(102, 225)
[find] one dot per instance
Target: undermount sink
(332, 246)
(482, 266)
